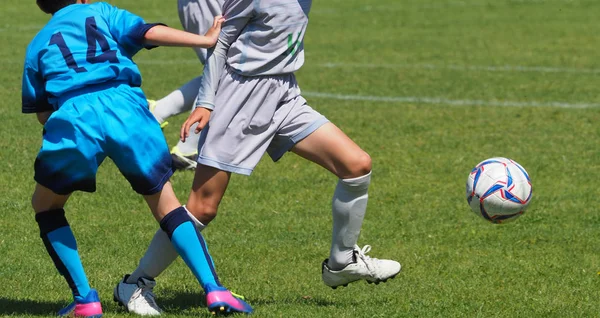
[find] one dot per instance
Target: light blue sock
(62, 247)
(190, 245)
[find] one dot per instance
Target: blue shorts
(95, 123)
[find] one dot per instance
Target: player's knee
(202, 210)
(41, 204)
(361, 165)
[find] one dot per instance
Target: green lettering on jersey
(293, 45)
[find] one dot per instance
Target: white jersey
(197, 17)
(259, 37)
(265, 36)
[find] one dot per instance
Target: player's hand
(215, 29)
(201, 116)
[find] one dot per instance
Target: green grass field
(429, 88)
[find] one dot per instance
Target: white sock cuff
(357, 184)
(197, 223)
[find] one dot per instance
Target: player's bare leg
(329, 147)
(189, 243)
(208, 189)
(166, 209)
(161, 253)
(62, 247)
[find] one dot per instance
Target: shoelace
(146, 293)
(361, 252)
(237, 295)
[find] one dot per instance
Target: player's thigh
(72, 149)
(208, 189)
(332, 149)
(136, 143)
(162, 202)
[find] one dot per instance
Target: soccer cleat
(152, 106)
(137, 298)
(372, 270)
(221, 301)
(88, 307)
(183, 161)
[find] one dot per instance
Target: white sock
(190, 145)
(349, 205)
(159, 255)
(178, 101)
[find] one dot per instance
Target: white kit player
(251, 96)
(196, 16)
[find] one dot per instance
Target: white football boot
(183, 161)
(137, 298)
(372, 270)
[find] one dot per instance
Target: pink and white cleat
(89, 307)
(220, 301)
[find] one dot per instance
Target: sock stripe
(208, 257)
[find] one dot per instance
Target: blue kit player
(81, 82)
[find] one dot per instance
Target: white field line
(425, 100)
(500, 68)
(484, 68)
(451, 102)
(21, 28)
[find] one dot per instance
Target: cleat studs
(222, 308)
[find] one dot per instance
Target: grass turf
(419, 85)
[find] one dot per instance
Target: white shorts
(253, 115)
(197, 17)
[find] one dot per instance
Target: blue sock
(190, 245)
(62, 247)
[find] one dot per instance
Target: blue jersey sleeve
(127, 28)
(34, 98)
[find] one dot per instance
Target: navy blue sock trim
(49, 221)
(208, 257)
(173, 220)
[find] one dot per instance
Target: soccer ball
(498, 189)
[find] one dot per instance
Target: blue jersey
(82, 45)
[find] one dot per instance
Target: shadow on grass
(176, 300)
(29, 307)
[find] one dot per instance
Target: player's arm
(34, 98)
(161, 35)
(237, 15)
(134, 34)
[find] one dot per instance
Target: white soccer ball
(499, 190)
